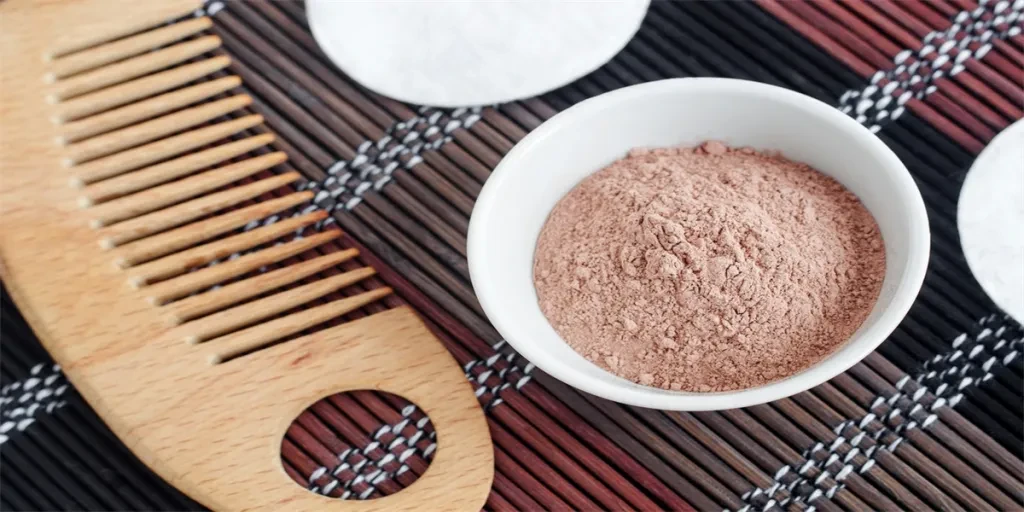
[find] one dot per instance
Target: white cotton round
(453, 54)
(990, 218)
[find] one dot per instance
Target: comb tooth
(186, 236)
(128, 47)
(165, 195)
(176, 264)
(248, 314)
(235, 344)
(207, 277)
(147, 109)
(137, 89)
(177, 215)
(154, 15)
(155, 151)
(215, 300)
(171, 169)
(152, 130)
(132, 68)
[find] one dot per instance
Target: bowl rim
(903, 298)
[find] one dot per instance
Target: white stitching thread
(913, 405)
(367, 471)
(375, 162)
(942, 53)
(877, 104)
(22, 401)
(508, 374)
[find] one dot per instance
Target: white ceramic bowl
(548, 162)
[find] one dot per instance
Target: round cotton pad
(990, 217)
(455, 54)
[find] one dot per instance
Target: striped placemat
(932, 420)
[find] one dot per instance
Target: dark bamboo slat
(363, 102)
(768, 461)
(1002, 100)
(764, 422)
(908, 472)
(904, 494)
(559, 449)
(659, 423)
(882, 479)
(995, 456)
(851, 58)
(936, 469)
(666, 473)
(31, 497)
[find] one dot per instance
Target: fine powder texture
(709, 268)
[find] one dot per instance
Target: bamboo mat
(932, 420)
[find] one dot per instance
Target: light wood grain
(152, 199)
(122, 94)
(179, 214)
(235, 344)
(179, 263)
(216, 274)
(171, 169)
(127, 47)
(156, 151)
(123, 348)
(141, 133)
(187, 236)
(251, 313)
(131, 68)
(206, 303)
(124, 116)
(101, 31)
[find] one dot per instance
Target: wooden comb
(127, 184)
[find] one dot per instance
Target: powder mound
(709, 268)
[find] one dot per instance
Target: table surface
(932, 420)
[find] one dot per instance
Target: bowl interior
(526, 185)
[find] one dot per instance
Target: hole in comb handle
(359, 445)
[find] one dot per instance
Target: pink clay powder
(709, 268)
